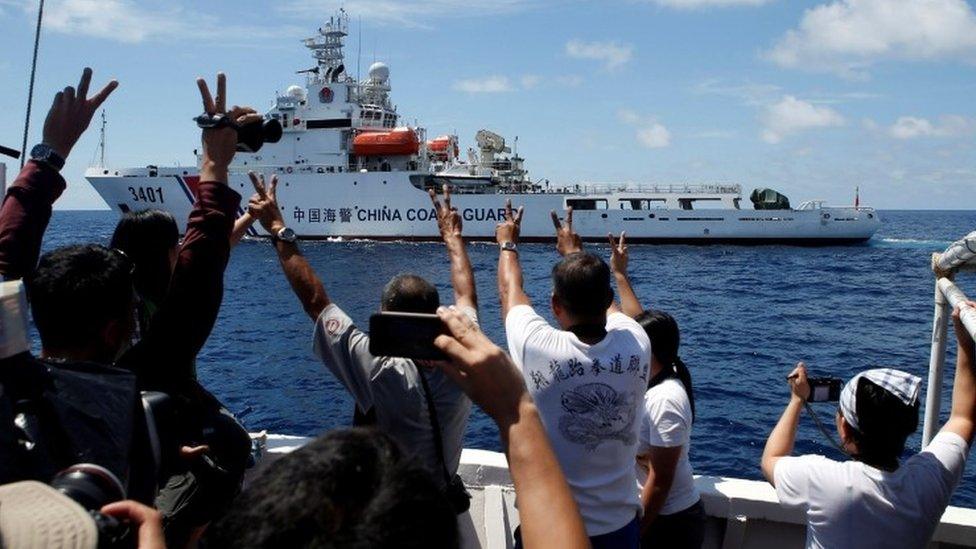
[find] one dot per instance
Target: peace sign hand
(448, 218)
(508, 230)
(72, 112)
(220, 144)
(263, 206)
(567, 241)
(618, 254)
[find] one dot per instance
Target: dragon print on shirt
(596, 413)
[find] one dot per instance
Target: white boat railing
(610, 188)
(957, 258)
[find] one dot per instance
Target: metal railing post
(933, 394)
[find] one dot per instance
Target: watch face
(288, 235)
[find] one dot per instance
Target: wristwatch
(508, 246)
(44, 153)
(285, 235)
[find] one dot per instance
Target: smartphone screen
(406, 335)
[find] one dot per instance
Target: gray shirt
(391, 387)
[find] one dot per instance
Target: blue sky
(810, 97)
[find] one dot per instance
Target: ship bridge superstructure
(336, 123)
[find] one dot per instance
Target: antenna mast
(101, 144)
(359, 54)
(30, 89)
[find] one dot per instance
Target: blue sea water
(747, 315)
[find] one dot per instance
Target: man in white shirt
(872, 501)
(391, 387)
(587, 378)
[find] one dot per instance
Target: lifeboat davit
(396, 142)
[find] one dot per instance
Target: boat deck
(742, 514)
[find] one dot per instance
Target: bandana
(903, 385)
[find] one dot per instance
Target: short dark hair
(348, 488)
(409, 293)
(146, 237)
(884, 424)
(581, 283)
(76, 291)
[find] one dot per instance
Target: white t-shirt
(850, 504)
(392, 387)
(588, 398)
(666, 423)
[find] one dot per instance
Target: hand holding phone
(406, 335)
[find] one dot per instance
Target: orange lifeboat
(443, 147)
(396, 142)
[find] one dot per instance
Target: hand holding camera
(481, 368)
(220, 133)
(799, 386)
(147, 520)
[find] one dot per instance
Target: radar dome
(297, 92)
(379, 72)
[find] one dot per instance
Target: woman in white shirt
(673, 515)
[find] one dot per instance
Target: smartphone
(824, 389)
(406, 335)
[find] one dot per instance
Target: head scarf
(903, 385)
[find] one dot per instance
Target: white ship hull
(388, 206)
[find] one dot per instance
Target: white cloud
(570, 80)
(791, 115)
(910, 127)
(846, 37)
(650, 133)
(130, 22)
(750, 93)
(408, 13)
(654, 136)
(487, 84)
(697, 4)
(612, 54)
(531, 81)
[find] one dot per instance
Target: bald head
(408, 293)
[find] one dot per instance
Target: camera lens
(91, 486)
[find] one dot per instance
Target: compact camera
(250, 137)
(824, 389)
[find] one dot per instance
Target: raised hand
(799, 385)
(72, 112)
(263, 206)
(448, 218)
(480, 367)
(509, 229)
(618, 254)
(220, 144)
(567, 241)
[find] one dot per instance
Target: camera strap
(435, 424)
(823, 430)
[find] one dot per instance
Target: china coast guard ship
(348, 168)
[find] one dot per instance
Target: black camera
(824, 389)
(250, 137)
(93, 487)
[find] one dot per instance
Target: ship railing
(611, 188)
(960, 257)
